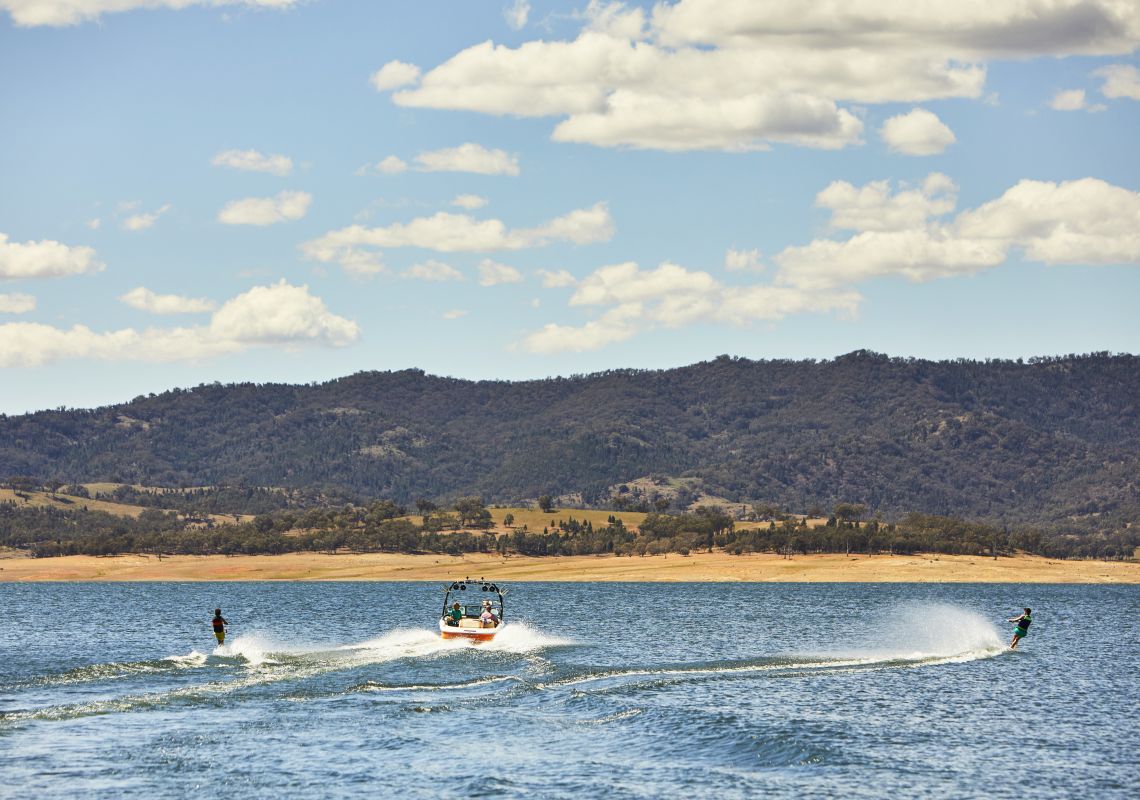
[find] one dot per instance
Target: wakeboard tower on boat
(472, 610)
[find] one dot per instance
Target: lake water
(593, 690)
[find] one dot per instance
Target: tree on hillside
(472, 512)
(850, 512)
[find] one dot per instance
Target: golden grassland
(66, 502)
(717, 566)
(533, 518)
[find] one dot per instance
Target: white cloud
(556, 280)
(432, 270)
(616, 325)
(1086, 221)
(1120, 80)
(895, 234)
(44, 259)
(253, 161)
(493, 274)
(740, 260)
(917, 133)
(361, 262)
(279, 315)
(392, 165)
(140, 222)
(145, 300)
(741, 75)
(516, 14)
(469, 157)
(451, 233)
(469, 201)
(872, 207)
(32, 13)
(454, 313)
(393, 75)
(672, 296)
(968, 30)
(282, 207)
(17, 303)
(94, 224)
(1068, 100)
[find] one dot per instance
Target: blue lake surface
(593, 690)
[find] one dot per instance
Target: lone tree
(509, 520)
(546, 503)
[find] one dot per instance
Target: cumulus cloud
(469, 157)
(282, 207)
(741, 260)
(393, 75)
(361, 262)
(44, 259)
(140, 222)
(1086, 221)
(917, 133)
(904, 231)
(741, 75)
(874, 207)
(32, 13)
(671, 296)
(432, 270)
(469, 201)
(17, 303)
(516, 14)
(1073, 100)
(1120, 80)
(452, 233)
(1069, 100)
(145, 300)
(278, 315)
(391, 165)
(492, 273)
(556, 279)
(253, 161)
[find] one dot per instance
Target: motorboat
(472, 610)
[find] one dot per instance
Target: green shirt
(455, 613)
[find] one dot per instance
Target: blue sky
(286, 191)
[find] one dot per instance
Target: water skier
(220, 624)
(1022, 629)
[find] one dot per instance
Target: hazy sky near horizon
(295, 190)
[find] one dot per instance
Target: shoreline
(710, 567)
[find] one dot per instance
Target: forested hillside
(1048, 440)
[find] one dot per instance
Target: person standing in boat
(1022, 629)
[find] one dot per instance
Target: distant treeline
(383, 526)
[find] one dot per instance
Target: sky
(289, 191)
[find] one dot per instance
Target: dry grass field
(718, 566)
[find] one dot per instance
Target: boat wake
(910, 636)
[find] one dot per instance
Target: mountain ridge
(1047, 439)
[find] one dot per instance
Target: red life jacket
(218, 623)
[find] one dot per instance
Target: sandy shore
(762, 567)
